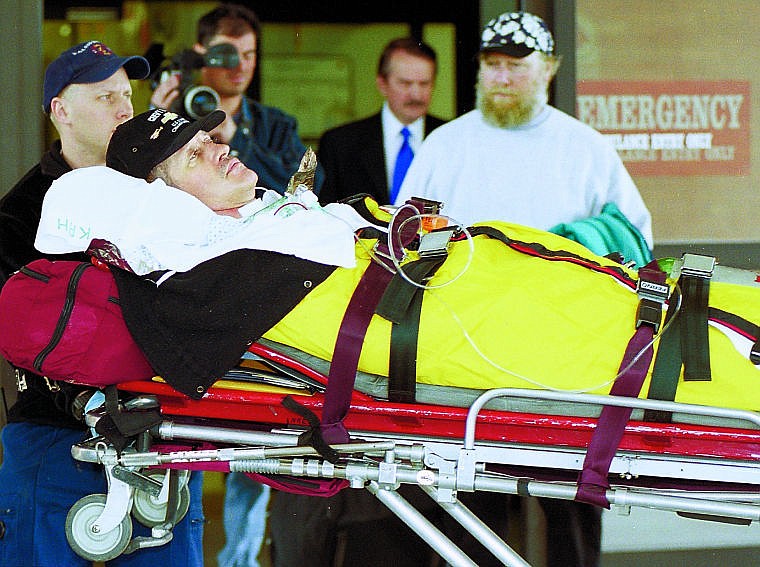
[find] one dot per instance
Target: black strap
(399, 294)
(402, 363)
(695, 345)
(667, 365)
(312, 436)
(119, 427)
(402, 304)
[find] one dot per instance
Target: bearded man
(515, 157)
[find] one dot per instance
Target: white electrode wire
(373, 257)
(543, 386)
(469, 339)
(451, 221)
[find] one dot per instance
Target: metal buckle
(652, 296)
(435, 244)
(698, 266)
(647, 289)
(649, 312)
(21, 384)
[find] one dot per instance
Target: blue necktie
(403, 159)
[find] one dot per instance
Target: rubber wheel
(95, 546)
(147, 510)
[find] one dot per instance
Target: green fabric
(695, 344)
(667, 366)
(608, 232)
(402, 364)
(402, 303)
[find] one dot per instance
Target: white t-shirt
(552, 170)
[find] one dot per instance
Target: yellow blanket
(503, 318)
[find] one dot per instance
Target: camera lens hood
(199, 101)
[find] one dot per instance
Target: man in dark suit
(360, 157)
(353, 527)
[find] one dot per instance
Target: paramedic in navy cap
(88, 63)
(87, 94)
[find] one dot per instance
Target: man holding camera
(266, 140)
(263, 137)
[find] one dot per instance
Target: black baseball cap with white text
(142, 142)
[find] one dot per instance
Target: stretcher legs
(479, 530)
(421, 526)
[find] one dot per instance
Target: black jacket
(354, 159)
(196, 325)
(20, 211)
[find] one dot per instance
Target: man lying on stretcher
(509, 307)
(187, 200)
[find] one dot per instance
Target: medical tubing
(457, 320)
(291, 204)
(452, 221)
(373, 257)
(538, 384)
(396, 263)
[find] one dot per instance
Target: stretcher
(529, 442)
(530, 375)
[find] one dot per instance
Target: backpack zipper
(34, 275)
(68, 307)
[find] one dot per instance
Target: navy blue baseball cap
(88, 62)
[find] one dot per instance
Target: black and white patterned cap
(517, 34)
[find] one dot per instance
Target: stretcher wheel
(147, 510)
(95, 546)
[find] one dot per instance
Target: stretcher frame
(699, 471)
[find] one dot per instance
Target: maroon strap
(593, 482)
(348, 347)
(353, 328)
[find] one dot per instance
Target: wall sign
(671, 127)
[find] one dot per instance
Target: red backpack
(62, 319)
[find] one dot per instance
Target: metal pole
(421, 526)
(480, 531)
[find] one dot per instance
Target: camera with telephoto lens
(194, 101)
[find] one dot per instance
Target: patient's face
(205, 169)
